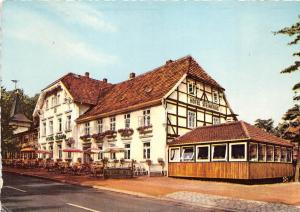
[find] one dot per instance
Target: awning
(113, 149)
(72, 150)
(41, 151)
(93, 150)
(28, 149)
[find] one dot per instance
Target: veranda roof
(232, 131)
(28, 149)
(72, 150)
(41, 151)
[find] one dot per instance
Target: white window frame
(203, 160)
(112, 123)
(273, 147)
(170, 154)
(190, 121)
(57, 99)
(99, 125)
(126, 151)
(182, 152)
(213, 149)
(127, 120)
(47, 104)
(87, 129)
(145, 156)
(265, 157)
(44, 132)
(279, 154)
(146, 117)
(245, 150)
(215, 97)
(51, 127)
(68, 123)
(191, 88)
(59, 125)
(216, 122)
(255, 159)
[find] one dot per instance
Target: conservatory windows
(203, 153)
(277, 154)
(289, 155)
(174, 154)
(270, 153)
(253, 152)
(219, 152)
(283, 154)
(261, 152)
(188, 154)
(238, 151)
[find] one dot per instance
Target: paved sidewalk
(230, 203)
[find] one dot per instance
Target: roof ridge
(244, 128)
(157, 68)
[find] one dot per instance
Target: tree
(293, 31)
(265, 124)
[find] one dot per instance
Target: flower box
(145, 129)
(127, 132)
(60, 136)
(110, 134)
(70, 141)
(98, 136)
(50, 138)
(85, 137)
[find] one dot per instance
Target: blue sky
(232, 41)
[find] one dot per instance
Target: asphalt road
(22, 193)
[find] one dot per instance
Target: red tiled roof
(238, 130)
(84, 89)
(147, 89)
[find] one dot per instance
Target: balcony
(126, 133)
(86, 137)
(60, 136)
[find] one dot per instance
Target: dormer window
(191, 88)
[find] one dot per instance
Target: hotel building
(134, 119)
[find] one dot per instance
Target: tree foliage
(7, 99)
(293, 31)
(265, 124)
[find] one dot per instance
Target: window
(283, 154)
(253, 152)
(277, 153)
(188, 153)
(191, 88)
(215, 98)
(219, 152)
(113, 123)
(87, 128)
(191, 119)
(261, 152)
(100, 125)
(59, 152)
(47, 104)
(50, 127)
(216, 120)
(146, 151)
(127, 120)
(146, 118)
(44, 129)
(127, 151)
(289, 155)
(59, 120)
(113, 156)
(69, 155)
(270, 153)
(238, 152)
(100, 154)
(174, 154)
(52, 102)
(68, 123)
(203, 153)
(57, 99)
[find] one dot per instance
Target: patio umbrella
(113, 149)
(93, 150)
(72, 150)
(41, 151)
(28, 149)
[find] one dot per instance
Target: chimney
(169, 61)
(104, 80)
(87, 74)
(131, 75)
